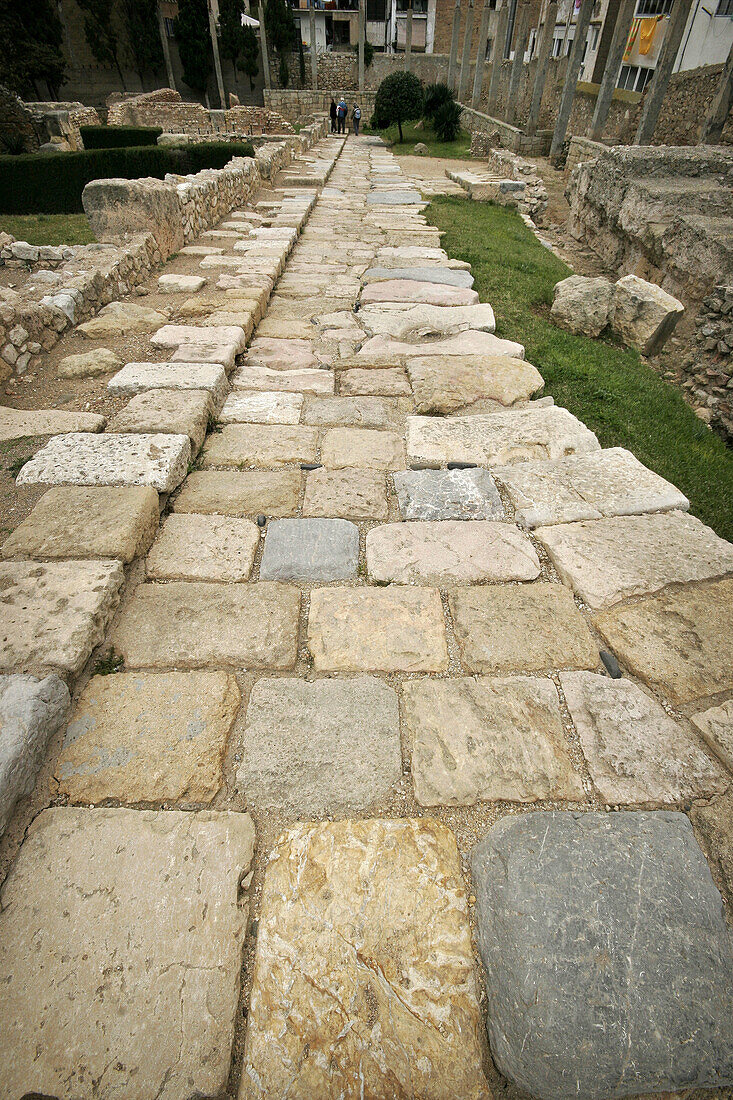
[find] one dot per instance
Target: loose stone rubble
(336, 564)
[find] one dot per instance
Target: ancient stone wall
(59, 122)
(708, 371)
(303, 103)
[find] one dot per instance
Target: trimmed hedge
(52, 183)
(114, 137)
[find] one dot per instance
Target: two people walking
(339, 113)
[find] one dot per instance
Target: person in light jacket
(356, 118)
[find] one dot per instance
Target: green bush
(399, 98)
(447, 121)
(52, 183)
(435, 96)
(114, 137)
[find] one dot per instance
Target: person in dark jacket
(341, 112)
(333, 116)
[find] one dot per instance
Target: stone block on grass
(582, 305)
(644, 315)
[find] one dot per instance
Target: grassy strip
(448, 150)
(607, 386)
(48, 228)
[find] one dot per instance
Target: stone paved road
(350, 807)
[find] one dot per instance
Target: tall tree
(140, 19)
(194, 43)
(281, 33)
(31, 56)
(101, 33)
(231, 31)
(250, 55)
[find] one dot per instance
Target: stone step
(157, 460)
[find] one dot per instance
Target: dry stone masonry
(313, 779)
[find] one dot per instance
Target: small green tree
(140, 20)
(250, 55)
(194, 43)
(281, 33)
(436, 95)
(447, 121)
(101, 32)
(32, 48)
(399, 99)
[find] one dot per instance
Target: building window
(419, 7)
(725, 7)
(170, 28)
(654, 7)
(634, 78)
(376, 11)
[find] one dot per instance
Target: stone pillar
(543, 63)
(665, 64)
(571, 78)
(165, 46)
(408, 36)
(497, 56)
(452, 60)
(217, 59)
(263, 46)
(483, 37)
(362, 42)
(613, 67)
(712, 128)
(314, 51)
(466, 54)
(520, 48)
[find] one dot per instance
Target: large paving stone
(386, 351)
(495, 438)
(25, 423)
(219, 353)
(679, 640)
(193, 625)
(521, 629)
(262, 408)
(394, 198)
(348, 493)
(387, 382)
(362, 448)
(156, 460)
(447, 552)
(180, 284)
(611, 482)
(282, 354)
(417, 322)
(121, 319)
(174, 336)
(442, 386)
(636, 753)
(487, 738)
(608, 964)
(716, 726)
(252, 376)
(261, 445)
(310, 550)
(89, 364)
(394, 629)
(74, 522)
(609, 560)
(148, 737)
(31, 712)
(417, 291)
(582, 305)
(362, 412)
(203, 548)
(364, 977)
(53, 615)
(447, 494)
(140, 377)
(180, 412)
(643, 314)
(322, 747)
(244, 493)
(138, 914)
(447, 275)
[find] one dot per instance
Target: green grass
(607, 386)
(48, 228)
(451, 150)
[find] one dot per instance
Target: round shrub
(435, 96)
(399, 99)
(447, 121)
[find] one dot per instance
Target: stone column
(263, 46)
(314, 51)
(520, 48)
(466, 55)
(166, 47)
(613, 67)
(452, 60)
(543, 63)
(362, 42)
(571, 78)
(665, 64)
(497, 56)
(217, 59)
(408, 36)
(712, 128)
(483, 37)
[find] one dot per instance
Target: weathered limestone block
(117, 208)
(203, 548)
(385, 351)
(180, 284)
(26, 423)
(174, 336)
(449, 552)
(75, 459)
(89, 364)
(262, 445)
(262, 408)
(31, 712)
(644, 315)
(424, 320)
(375, 912)
(244, 493)
(418, 292)
(174, 411)
(141, 377)
(443, 385)
(349, 494)
(139, 913)
(363, 448)
(121, 319)
(716, 726)
(582, 305)
(252, 376)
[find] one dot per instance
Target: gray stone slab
(310, 550)
(31, 712)
(394, 198)
(302, 752)
(611, 482)
(447, 494)
(609, 969)
(445, 275)
(52, 615)
(139, 915)
(157, 460)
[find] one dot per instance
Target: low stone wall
(296, 104)
(164, 107)
(59, 122)
(708, 371)
(500, 134)
(580, 149)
